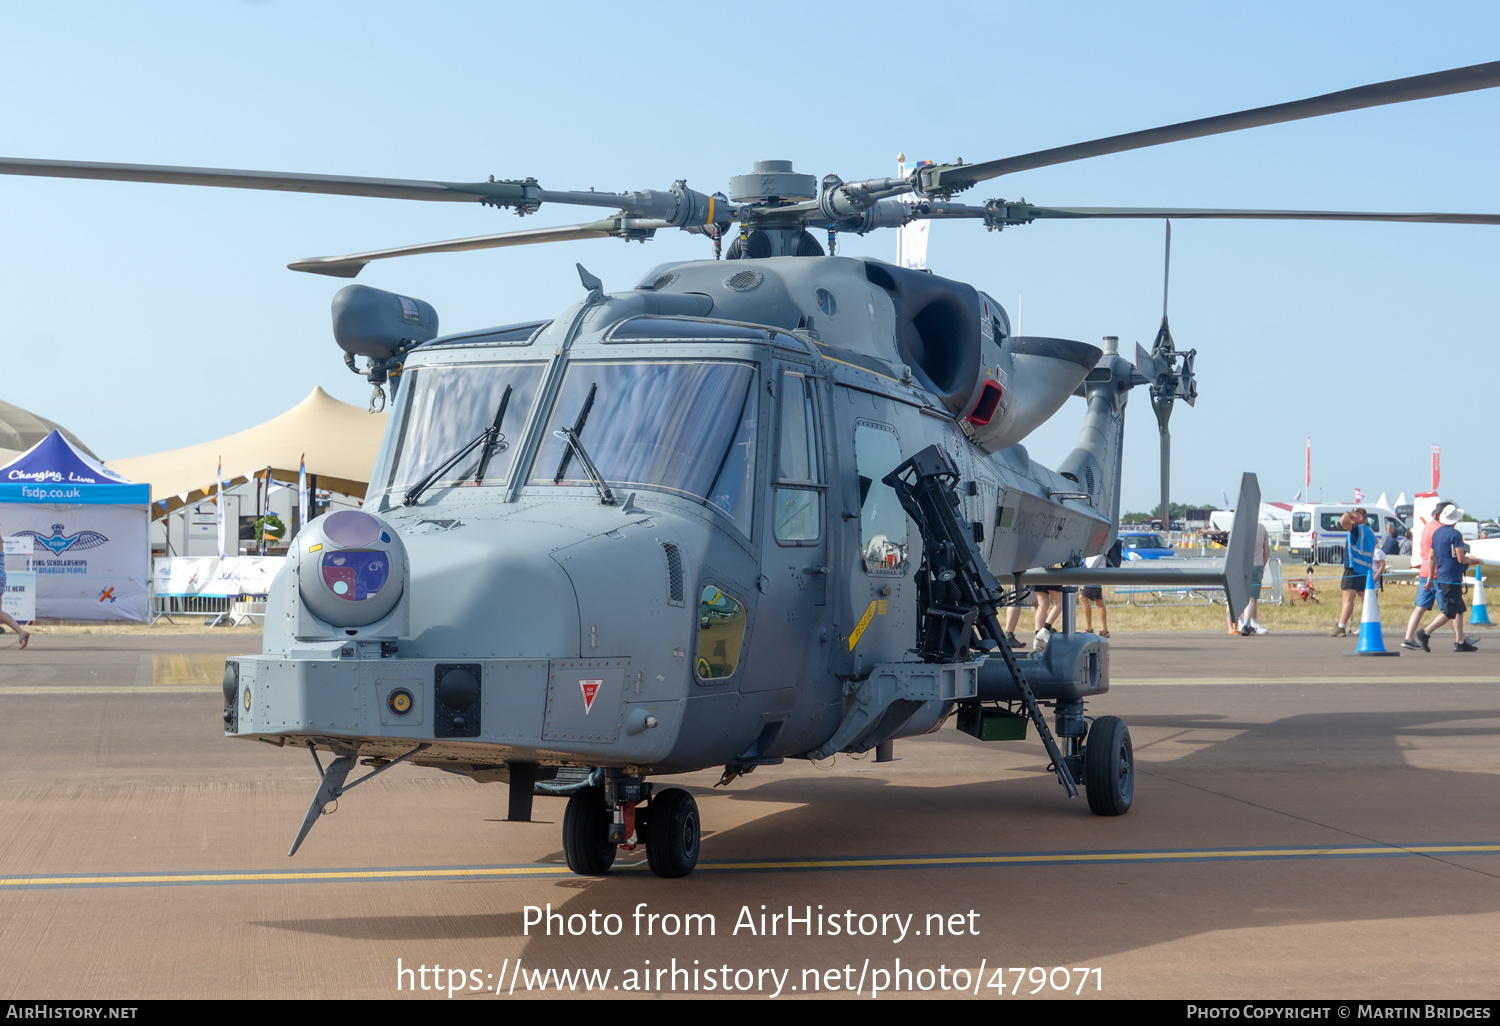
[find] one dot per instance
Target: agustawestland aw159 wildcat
(766, 507)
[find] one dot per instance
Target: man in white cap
(1449, 557)
(1426, 591)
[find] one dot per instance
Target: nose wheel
(669, 825)
(586, 833)
(672, 833)
(1109, 767)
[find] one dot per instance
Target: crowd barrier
(233, 588)
(207, 606)
(1271, 590)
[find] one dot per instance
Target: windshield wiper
(492, 440)
(575, 444)
(583, 416)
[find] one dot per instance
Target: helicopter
(765, 506)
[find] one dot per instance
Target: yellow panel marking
(315, 548)
(880, 607)
(864, 622)
(176, 671)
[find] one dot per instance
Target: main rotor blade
(1000, 213)
(1253, 215)
(279, 181)
(1418, 87)
(350, 266)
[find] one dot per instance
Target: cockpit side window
(798, 497)
(721, 633)
(882, 521)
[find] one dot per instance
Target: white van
(1317, 538)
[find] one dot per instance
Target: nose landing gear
(586, 833)
(668, 824)
(1109, 767)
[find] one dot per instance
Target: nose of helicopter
(490, 594)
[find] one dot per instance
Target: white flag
(911, 239)
(302, 491)
(911, 244)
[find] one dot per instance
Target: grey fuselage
(720, 609)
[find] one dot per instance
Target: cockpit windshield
(680, 426)
(445, 409)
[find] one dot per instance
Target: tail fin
(1240, 558)
(1095, 464)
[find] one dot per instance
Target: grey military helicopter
(753, 509)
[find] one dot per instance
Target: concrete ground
(1305, 825)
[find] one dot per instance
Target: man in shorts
(1049, 600)
(1426, 590)
(1093, 595)
(1450, 554)
(1249, 623)
(1359, 557)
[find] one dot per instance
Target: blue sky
(149, 317)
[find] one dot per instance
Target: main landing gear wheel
(586, 833)
(1109, 767)
(672, 833)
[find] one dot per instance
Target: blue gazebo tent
(88, 527)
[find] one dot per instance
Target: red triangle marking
(590, 688)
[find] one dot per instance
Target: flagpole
(219, 501)
(301, 493)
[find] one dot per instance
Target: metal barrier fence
(206, 606)
(1272, 590)
(1330, 554)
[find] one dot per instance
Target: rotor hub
(773, 182)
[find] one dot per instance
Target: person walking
(1249, 621)
(1426, 591)
(1450, 554)
(1093, 595)
(5, 617)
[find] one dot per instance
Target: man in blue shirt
(1390, 544)
(1450, 555)
(1359, 556)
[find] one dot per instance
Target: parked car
(1317, 537)
(1144, 545)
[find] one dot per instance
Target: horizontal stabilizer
(1232, 572)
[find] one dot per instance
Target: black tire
(586, 833)
(672, 833)
(1109, 767)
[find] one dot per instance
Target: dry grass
(1168, 615)
(1164, 615)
